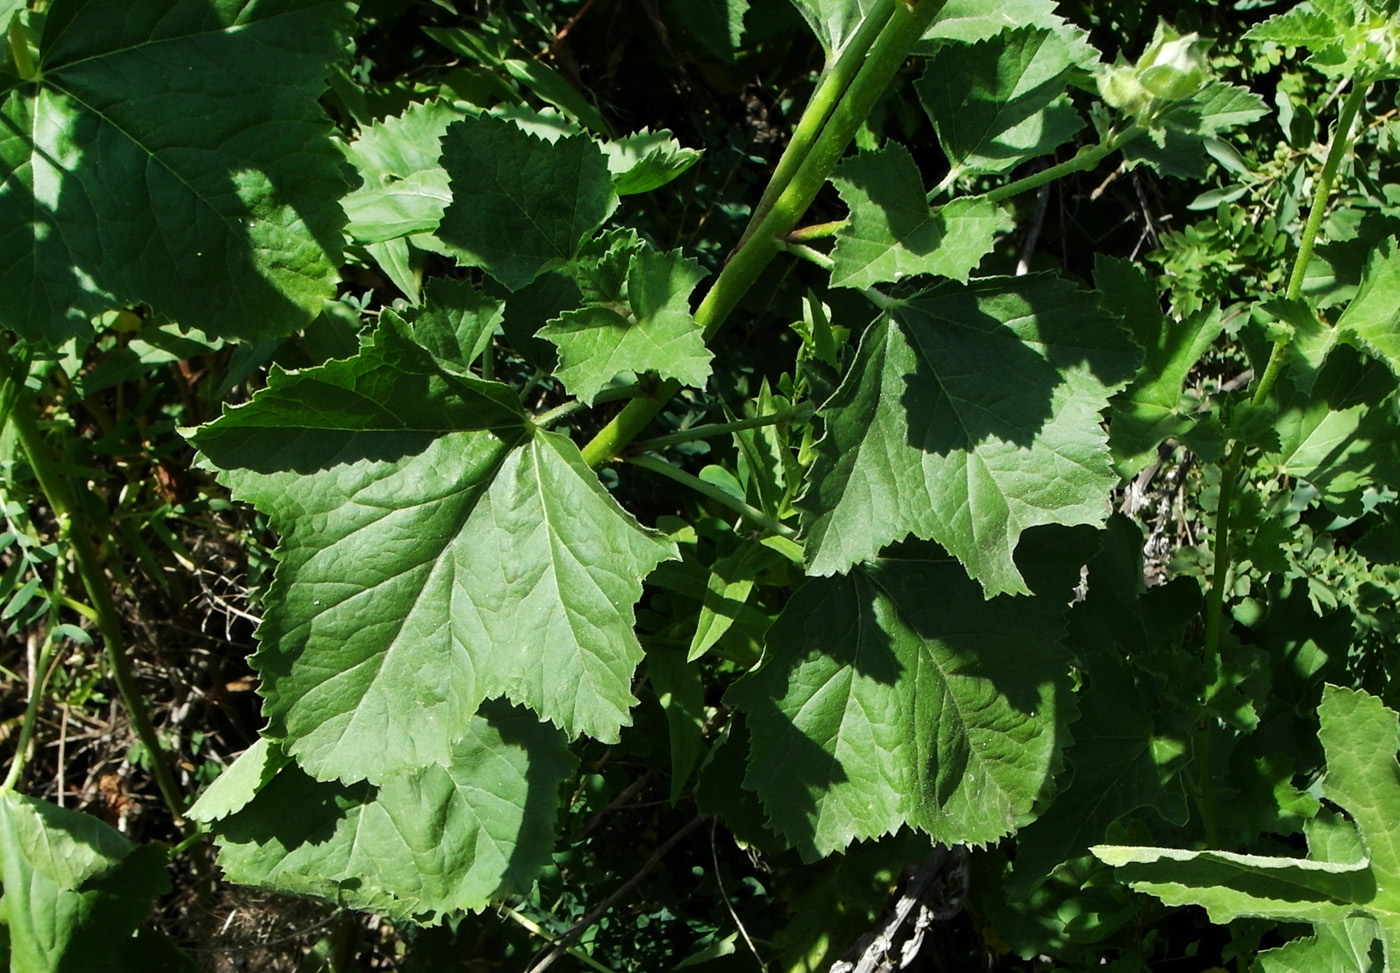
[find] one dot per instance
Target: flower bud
(1174, 66)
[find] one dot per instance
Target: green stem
(1322, 194)
(836, 77)
(711, 430)
(19, 50)
(80, 538)
(817, 231)
(896, 38)
(42, 665)
(811, 255)
(752, 514)
(1085, 159)
(536, 929)
(548, 418)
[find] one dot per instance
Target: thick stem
(836, 77)
(891, 47)
(1322, 194)
(80, 539)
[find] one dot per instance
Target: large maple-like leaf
(969, 414)
(425, 842)
(172, 153)
(436, 550)
(897, 695)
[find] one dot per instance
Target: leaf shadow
(986, 358)
(169, 174)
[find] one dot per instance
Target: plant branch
(752, 514)
(896, 38)
(714, 429)
(1085, 159)
(562, 944)
(836, 77)
(80, 538)
(1322, 194)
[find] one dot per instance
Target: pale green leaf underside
(897, 695)
(969, 415)
(404, 189)
(892, 233)
(653, 331)
(173, 154)
(1338, 947)
(520, 205)
(426, 842)
(833, 21)
(970, 21)
(435, 552)
(1000, 102)
(1360, 737)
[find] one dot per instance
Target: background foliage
(689, 465)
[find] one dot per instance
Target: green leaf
(74, 892)
(1311, 340)
(897, 695)
(1339, 947)
(457, 324)
(240, 783)
(425, 842)
(1131, 743)
(520, 205)
(649, 328)
(1343, 879)
(681, 693)
(435, 552)
(404, 189)
(1372, 320)
(647, 160)
(1148, 411)
(172, 153)
(892, 233)
(1344, 435)
(969, 414)
(833, 21)
(970, 21)
(1177, 143)
(718, 25)
(999, 102)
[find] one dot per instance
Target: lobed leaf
(647, 328)
(999, 102)
(969, 414)
(1372, 319)
(897, 695)
(404, 189)
(172, 153)
(436, 551)
(520, 205)
(893, 233)
(424, 843)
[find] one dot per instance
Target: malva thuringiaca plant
(877, 587)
